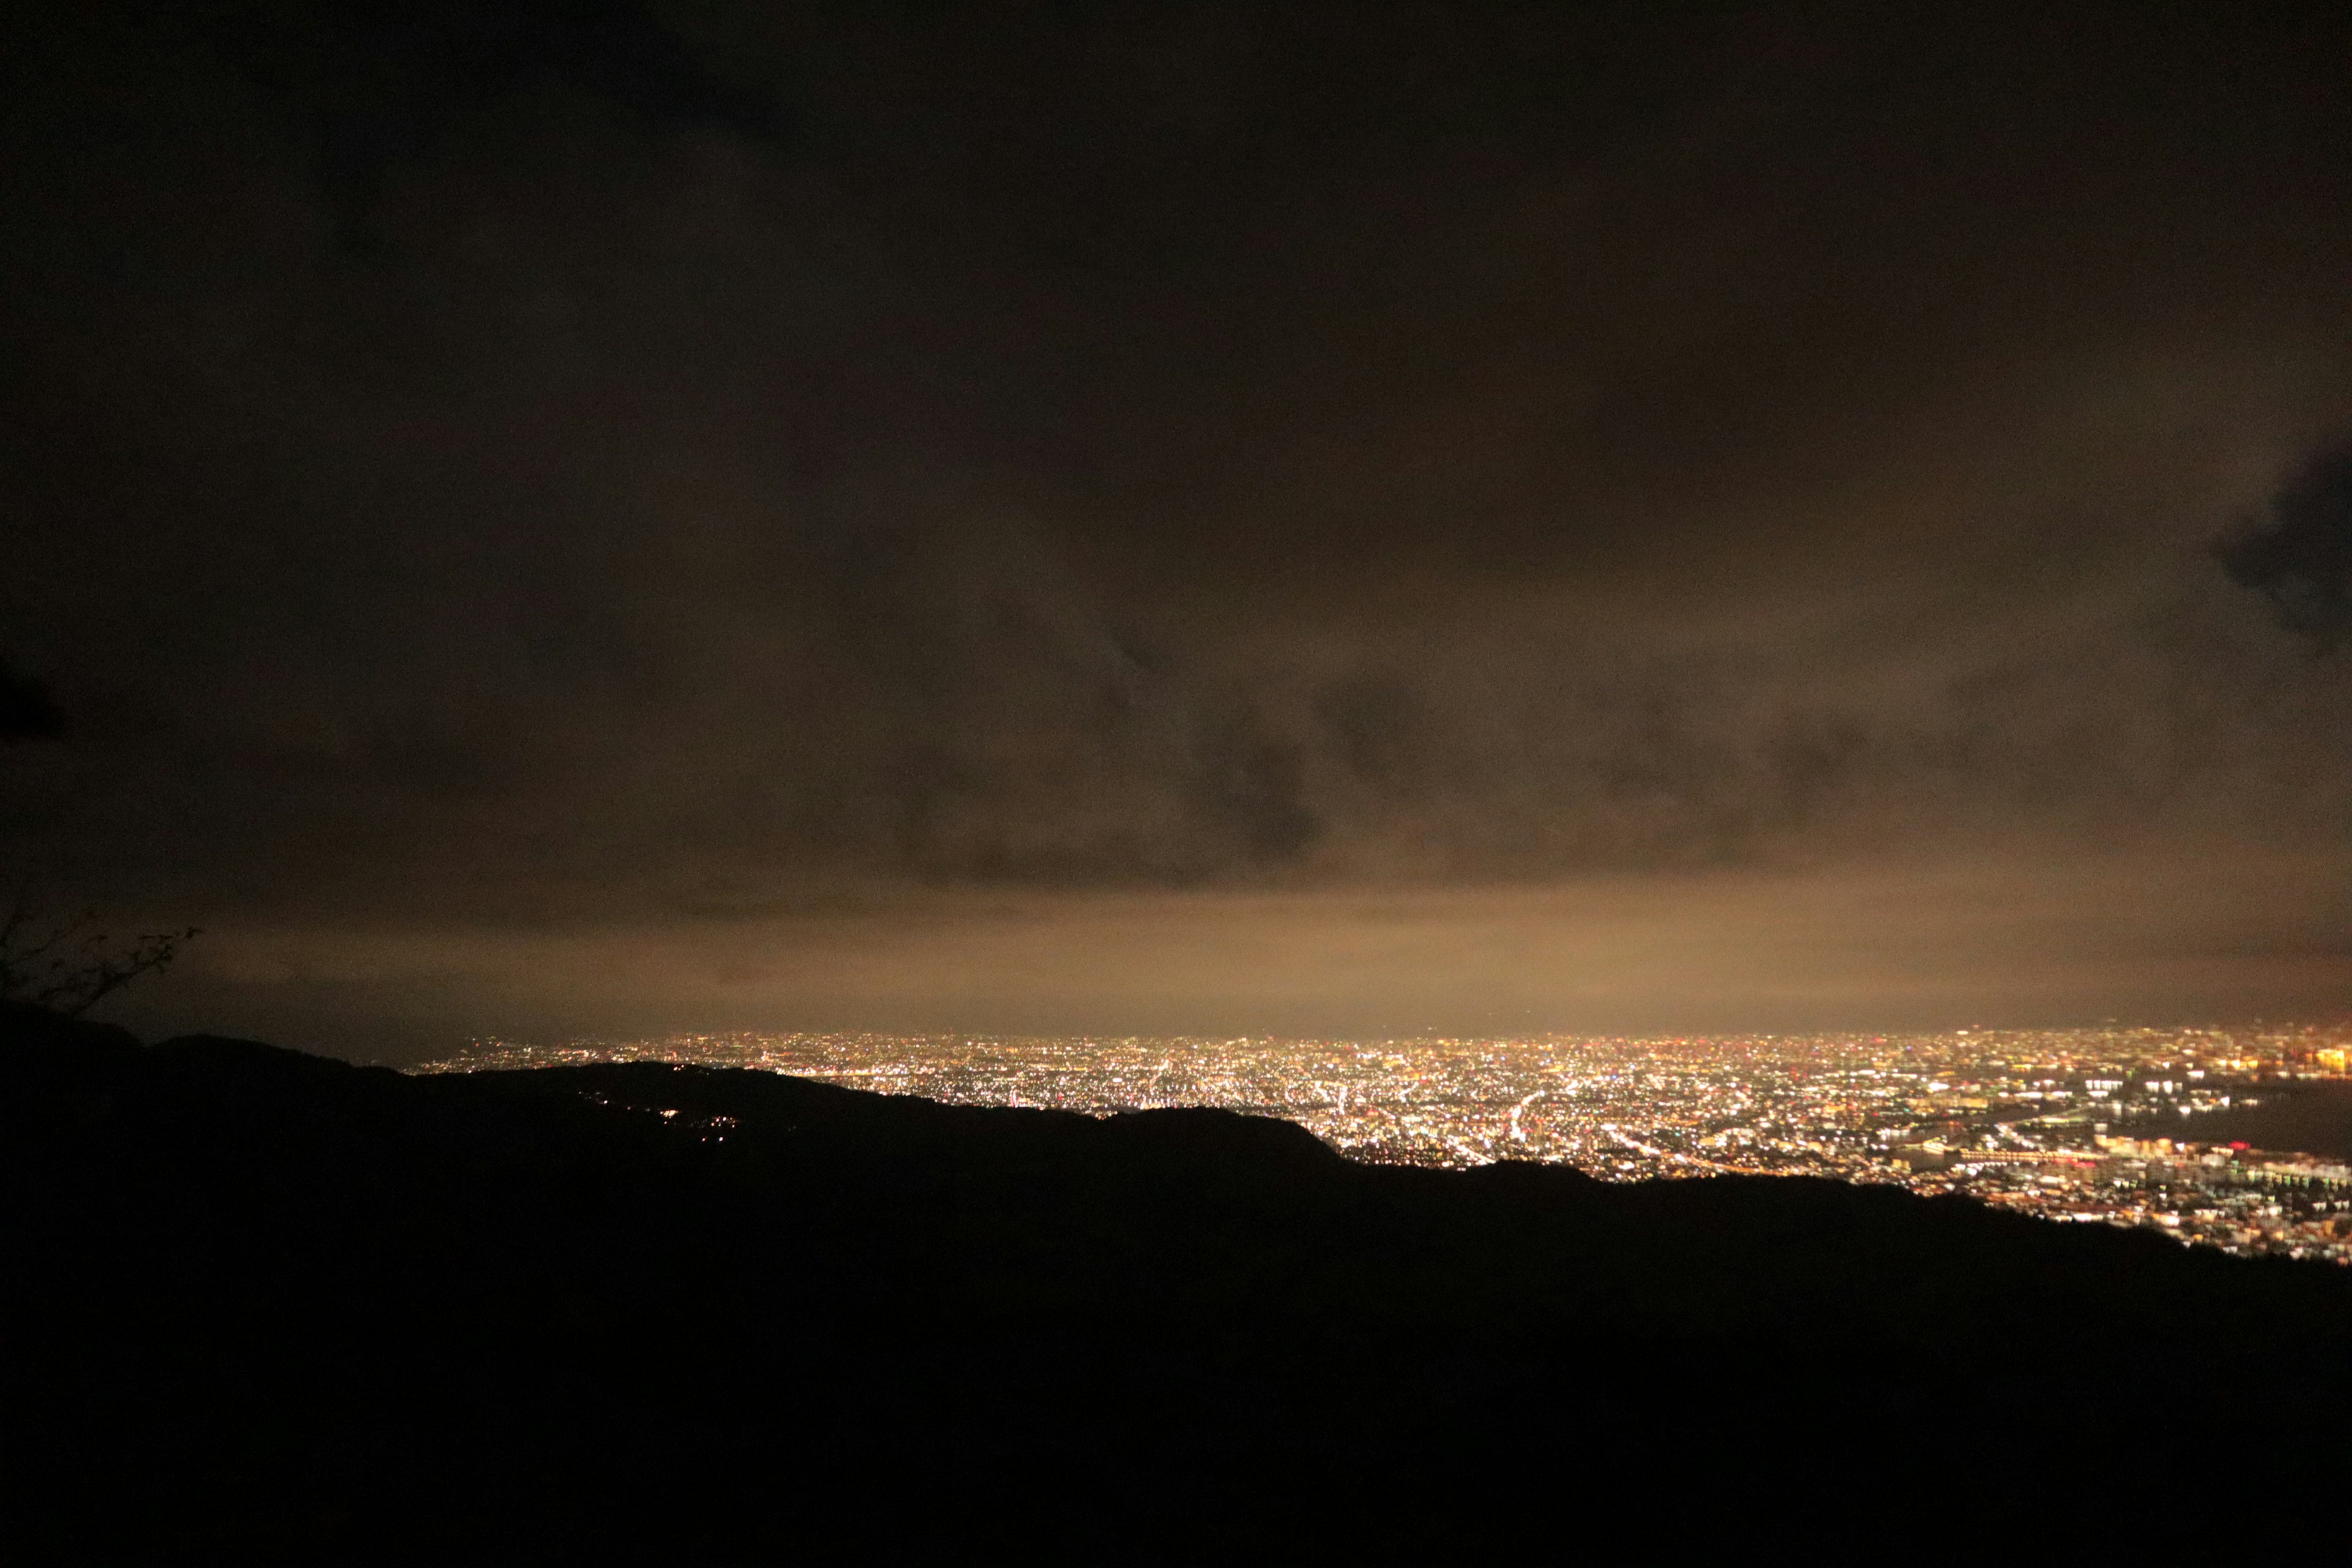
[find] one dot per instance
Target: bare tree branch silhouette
(64, 963)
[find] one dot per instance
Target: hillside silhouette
(262, 1302)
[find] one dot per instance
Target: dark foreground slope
(258, 1302)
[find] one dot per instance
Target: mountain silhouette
(265, 1303)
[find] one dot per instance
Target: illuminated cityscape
(2076, 1125)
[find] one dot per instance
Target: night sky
(549, 518)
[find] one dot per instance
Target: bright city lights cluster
(2099, 1125)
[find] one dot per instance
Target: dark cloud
(767, 461)
(373, 84)
(2299, 555)
(26, 710)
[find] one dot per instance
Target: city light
(2077, 1125)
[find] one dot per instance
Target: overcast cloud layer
(1373, 519)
